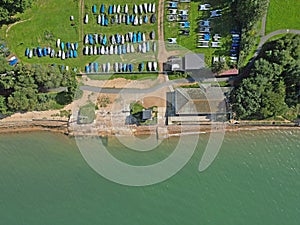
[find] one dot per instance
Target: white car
(172, 40)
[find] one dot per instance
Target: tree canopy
(273, 86)
(25, 88)
(9, 8)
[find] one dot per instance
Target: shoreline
(63, 127)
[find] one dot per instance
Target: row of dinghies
(130, 37)
(117, 9)
(119, 67)
(135, 20)
(47, 51)
(120, 49)
(65, 51)
(117, 14)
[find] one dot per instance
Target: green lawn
(283, 14)
(222, 25)
(50, 20)
(87, 114)
(46, 17)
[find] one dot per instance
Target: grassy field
(222, 25)
(50, 20)
(283, 14)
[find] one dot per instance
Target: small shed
(147, 114)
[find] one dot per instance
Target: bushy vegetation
(273, 86)
(87, 114)
(248, 14)
(26, 87)
(8, 8)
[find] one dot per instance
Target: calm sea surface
(255, 179)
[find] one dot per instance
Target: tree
(3, 107)
(8, 8)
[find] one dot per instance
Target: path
(265, 38)
(11, 25)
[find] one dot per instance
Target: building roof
(147, 114)
(193, 61)
(229, 72)
(194, 101)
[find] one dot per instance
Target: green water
(255, 179)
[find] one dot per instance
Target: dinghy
(126, 9)
(58, 43)
(119, 50)
(130, 36)
(145, 6)
(131, 48)
(152, 35)
(63, 55)
(146, 19)
(155, 66)
(149, 65)
(30, 53)
(116, 67)
(135, 22)
(153, 8)
(153, 18)
(123, 49)
(102, 52)
(100, 37)
(148, 46)
(103, 68)
(86, 19)
(141, 9)
(128, 48)
(96, 38)
(141, 20)
(116, 50)
(95, 50)
(135, 9)
(144, 48)
(141, 67)
(118, 9)
(108, 67)
(144, 37)
(111, 50)
(99, 19)
(102, 8)
(149, 7)
(120, 67)
(154, 47)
